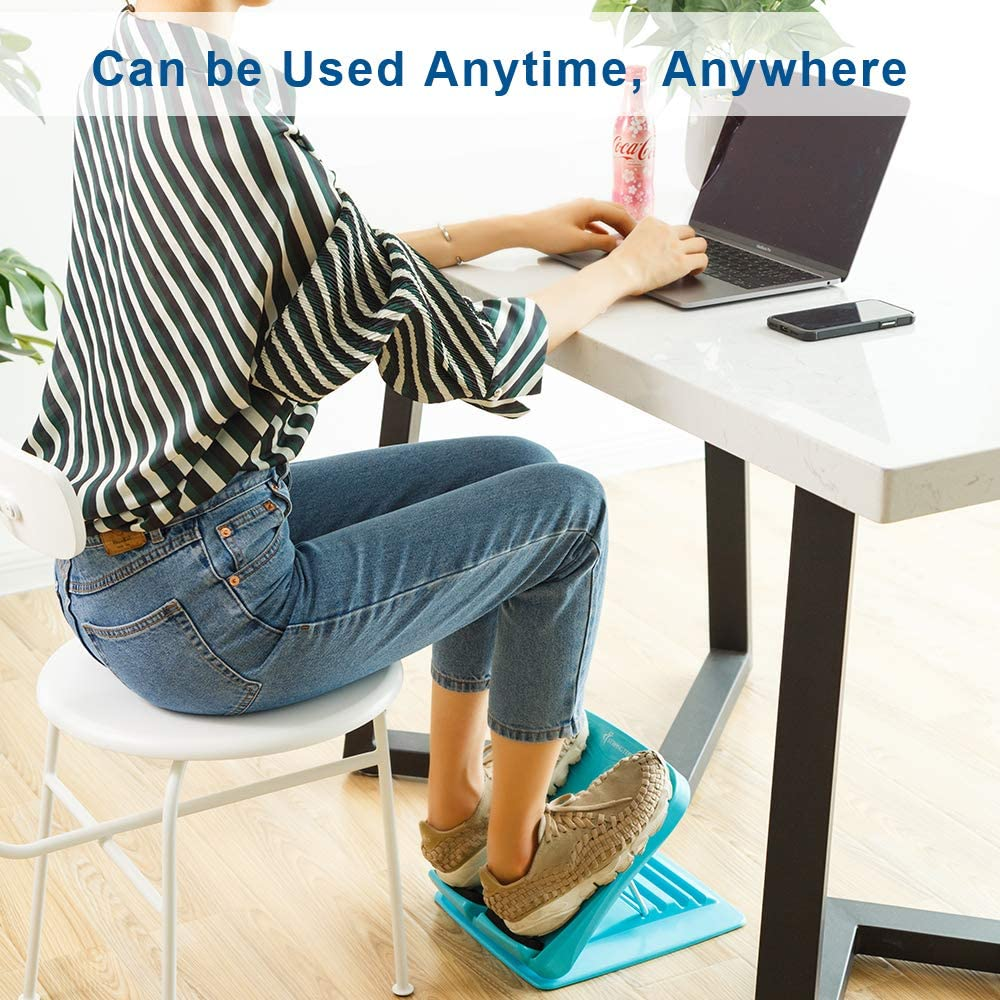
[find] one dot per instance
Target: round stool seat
(85, 700)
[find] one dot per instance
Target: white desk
(887, 426)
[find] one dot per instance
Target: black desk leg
(409, 752)
(808, 941)
(698, 725)
(805, 754)
(400, 420)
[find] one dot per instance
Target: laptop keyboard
(747, 270)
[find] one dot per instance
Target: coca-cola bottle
(634, 149)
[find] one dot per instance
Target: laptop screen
(802, 185)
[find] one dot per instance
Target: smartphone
(841, 320)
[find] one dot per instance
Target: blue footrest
(652, 909)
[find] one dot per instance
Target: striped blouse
(220, 283)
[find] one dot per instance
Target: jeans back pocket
(163, 658)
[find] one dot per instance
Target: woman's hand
(653, 254)
(577, 225)
(656, 254)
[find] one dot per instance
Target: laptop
(787, 196)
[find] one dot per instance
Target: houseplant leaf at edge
(30, 284)
(17, 274)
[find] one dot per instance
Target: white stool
(84, 700)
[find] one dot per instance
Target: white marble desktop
(890, 425)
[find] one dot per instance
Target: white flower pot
(708, 112)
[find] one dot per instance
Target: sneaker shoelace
(566, 813)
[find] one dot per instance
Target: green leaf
(610, 10)
(20, 345)
(27, 338)
(787, 35)
(806, 31)
(11, 40)
(26, 348)
(602, 12)
(15, 77)
(718, 6)
(755, 34)
(32, 300)
(6, 337)
(13, 258)
(30, 283)
(42, 279)
(634, 23)
(22, 352)
(678, 31)
(31, 78)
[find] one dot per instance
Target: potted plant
(706, 29)
(22, 283)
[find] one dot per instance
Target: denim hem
(463, 685)
(559, 732)
(583, 663)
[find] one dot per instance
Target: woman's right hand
(652, 255)
(656, 253)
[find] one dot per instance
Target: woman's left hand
(576, 225)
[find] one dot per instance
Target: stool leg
(171, 802)
(41, 869)
(402, 986)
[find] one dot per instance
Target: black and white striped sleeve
(369, 295)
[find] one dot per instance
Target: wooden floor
(283, 898)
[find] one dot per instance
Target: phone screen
(847, 314)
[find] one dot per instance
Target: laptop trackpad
(581, 259)
(704, 283)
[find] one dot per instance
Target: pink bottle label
(634, 157)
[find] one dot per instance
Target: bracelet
(444, 232)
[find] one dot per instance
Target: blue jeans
(291, 583)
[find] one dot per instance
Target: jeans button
(225, 531)
(234, 581)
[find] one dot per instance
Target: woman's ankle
(509, 857)
(457, 802)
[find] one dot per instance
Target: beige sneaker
(569, 754)
(458, 854)
(584, 841)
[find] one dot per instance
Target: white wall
(411, 159)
